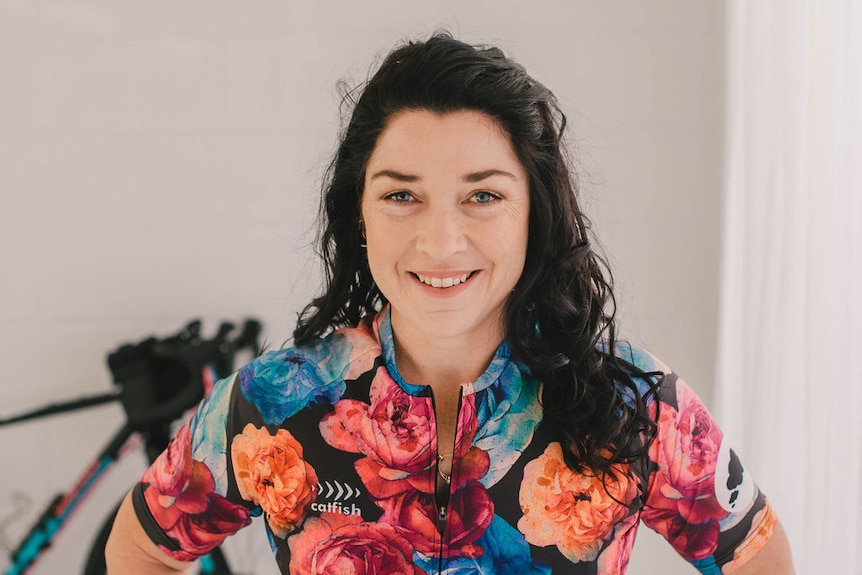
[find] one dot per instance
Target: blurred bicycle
(157, 380)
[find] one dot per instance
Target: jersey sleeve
(236, 457)
(183, 500)
(699, 495)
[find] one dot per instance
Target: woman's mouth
(443, 282)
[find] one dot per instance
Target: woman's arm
(131, 552)
(773, 559)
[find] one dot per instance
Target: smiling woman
(459, 379)
(446, 210)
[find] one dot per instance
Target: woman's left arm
(773, 559)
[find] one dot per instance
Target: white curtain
(789, 376)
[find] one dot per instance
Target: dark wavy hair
(559, 320)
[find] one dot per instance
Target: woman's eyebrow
(471, 177)
(395, 176)
(483, 175)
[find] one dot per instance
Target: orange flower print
(573, 511)
(271, 472)
(763, 525)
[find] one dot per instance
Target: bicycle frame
(61, 509)
(155, 438)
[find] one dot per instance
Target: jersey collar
(383, 330)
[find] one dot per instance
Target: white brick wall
(160, 161)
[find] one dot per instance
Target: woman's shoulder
(637, 357)
(637, 368)
(332, 355)
(284, 381)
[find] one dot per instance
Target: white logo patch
(341, 490)
(337, 493)
(734, 487)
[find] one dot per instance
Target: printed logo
(734, 487)
(338, 493)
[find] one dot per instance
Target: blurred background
(161, 161)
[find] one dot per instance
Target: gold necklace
(446, 478)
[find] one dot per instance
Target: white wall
(160, 161)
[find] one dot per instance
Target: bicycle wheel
(96, 559)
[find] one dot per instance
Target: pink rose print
(414, 515)
(383, 482)
(181, 496)
(271, 472)
(396, 429)
(336, 544)
(363, 348)
(682, 506)
(574, 511)
(615, 557)
(397, 434)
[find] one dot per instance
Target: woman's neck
(444, 363)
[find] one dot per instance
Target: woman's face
(445, 208)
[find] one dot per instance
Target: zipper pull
(441, 519)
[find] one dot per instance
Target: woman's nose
(441, 233)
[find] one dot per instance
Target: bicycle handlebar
(160, 379)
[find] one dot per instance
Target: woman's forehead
(464, 141)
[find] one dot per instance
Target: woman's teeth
(443, 282)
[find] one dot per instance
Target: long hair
(559, 321)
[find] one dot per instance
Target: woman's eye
(400, 196)
(484, 197)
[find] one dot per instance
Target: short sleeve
(237, 456)
(699, 495)
(182, 500)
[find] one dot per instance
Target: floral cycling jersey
(338, 453)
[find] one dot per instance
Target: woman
(472, 408)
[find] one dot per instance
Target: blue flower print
(505, 551)
(639, 358)
(508, 551)
(209, 438)
(507, 414)
(707, 566)
(281, 383)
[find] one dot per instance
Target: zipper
(441, 527)
(441, 509)
(441, 521)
